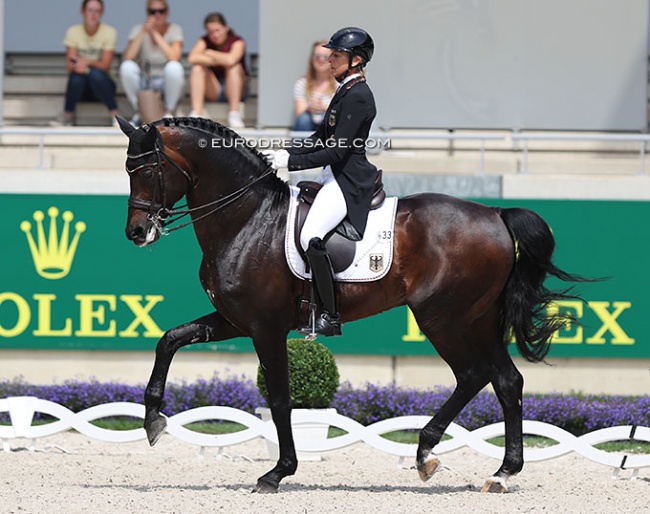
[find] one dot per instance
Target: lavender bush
(576, 413)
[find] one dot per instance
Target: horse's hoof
(264, 487)
(155, 429)
(427, 468)
(495, 485)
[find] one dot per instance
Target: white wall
(39, 25)
(511, 64)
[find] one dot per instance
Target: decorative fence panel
(22, 410)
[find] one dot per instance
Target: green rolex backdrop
(69, 279)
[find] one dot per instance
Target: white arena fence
(22, 409)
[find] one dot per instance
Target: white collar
(348, 79)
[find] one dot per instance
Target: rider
(348, 178)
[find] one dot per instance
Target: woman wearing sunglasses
(152, 58)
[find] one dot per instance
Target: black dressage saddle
(340, 243)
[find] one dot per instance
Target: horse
(472, 275)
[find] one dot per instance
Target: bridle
(162, 216)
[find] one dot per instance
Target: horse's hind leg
(471, 378)
(212, 327)
(463, 347)
(508, 385)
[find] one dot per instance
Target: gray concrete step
(40, 110)
(54, 63)
(55, 84)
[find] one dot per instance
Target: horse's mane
(247, 153)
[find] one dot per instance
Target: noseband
(158, 213)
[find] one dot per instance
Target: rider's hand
(277, 158)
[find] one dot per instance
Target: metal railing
(642, 139)
(268, 134)
(520, 140)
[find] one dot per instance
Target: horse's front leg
(272, 353)
(212, 327)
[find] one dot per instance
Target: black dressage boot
(327, 323)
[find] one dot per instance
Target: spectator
(218, 70)
(90, 47)
(152, 59)
(313, 92)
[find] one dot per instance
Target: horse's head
(157, 182)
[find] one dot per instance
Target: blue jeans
(304, 123)
(222, 92)
(91, 87)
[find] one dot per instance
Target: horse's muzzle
(142, 234)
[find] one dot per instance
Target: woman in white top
(152, 58)
(313, 92)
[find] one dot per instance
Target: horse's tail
(524, 315)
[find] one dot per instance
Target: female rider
(348, 178)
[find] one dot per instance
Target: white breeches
(328, 210)
(170, 83)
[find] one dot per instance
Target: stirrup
(309, 330)
(326, 324)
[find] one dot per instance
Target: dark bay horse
(472, 275)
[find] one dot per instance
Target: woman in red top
(218, 70)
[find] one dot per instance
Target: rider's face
(339, 62)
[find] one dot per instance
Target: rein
(160, 215)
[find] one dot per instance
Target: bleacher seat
(34, 90)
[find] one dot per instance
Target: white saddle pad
(373, 254)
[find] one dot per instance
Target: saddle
(340, 244)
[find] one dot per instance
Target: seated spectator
(218, 70)
(152, 59)
(313, 92)
(90, 47)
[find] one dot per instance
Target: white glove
(277, 158)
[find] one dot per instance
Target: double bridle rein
(158, 213)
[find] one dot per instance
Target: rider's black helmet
(354, 40)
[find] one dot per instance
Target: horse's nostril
(133, 233)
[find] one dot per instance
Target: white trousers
(170, 83)
(328, 210)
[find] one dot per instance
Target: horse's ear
(149, 140)
(126, 127)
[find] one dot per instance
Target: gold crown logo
(53, 256)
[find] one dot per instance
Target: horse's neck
(236, 207)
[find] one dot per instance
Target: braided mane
(237, 146)
(217, 129)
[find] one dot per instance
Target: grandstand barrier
(524, 138)
(520, 141)
(21, 411)
(268, 134)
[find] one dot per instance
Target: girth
(341, 243)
